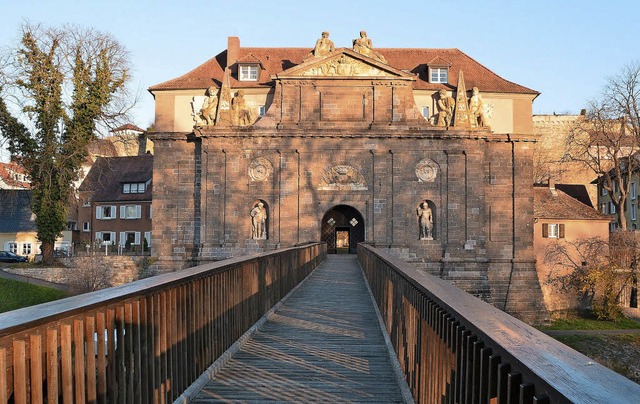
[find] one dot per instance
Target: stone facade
(346, 149)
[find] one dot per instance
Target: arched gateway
(342, 229)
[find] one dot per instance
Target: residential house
(562, 214)
(13, 176)
(18, 232)
(115, 202)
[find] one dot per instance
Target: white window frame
(633, 211)
(124, 235)
(147, 236)
(439, 74)
(134, 188)
(12, 247)
(603, 191)
(100, 210)
(86, 227)
(426, 113)
(632, 190)
(261, 110)
(554, 230)
(125, 212)
(248, 72)
(612, 208)
(27, 248)
(603, 208)
(86, 203)
(100, 237)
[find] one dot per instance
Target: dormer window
(438, 74)
(248, 73)
(134, 188)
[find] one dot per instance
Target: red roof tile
(128, 126)
(414, 60)
(546, 205)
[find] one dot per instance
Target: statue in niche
(446, 105)
(241, 115)
(258, 222)
(425, 221)
(476, 109)
(207, 113)
(364, 46)
(324, 45)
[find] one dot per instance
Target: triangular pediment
(343, 63)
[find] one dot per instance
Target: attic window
(438, 74)
(248, 73)
(134, 188)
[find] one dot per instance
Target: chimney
(552, 187)
(233, 49)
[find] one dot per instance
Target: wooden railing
(146, 341)
(454, 348)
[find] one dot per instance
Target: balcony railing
(146, 341)
(454, 348)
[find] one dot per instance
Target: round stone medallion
(259, 169)
(427, 170)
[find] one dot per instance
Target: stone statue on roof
(241, 115)
(324, 45)
(207, 113)
(446, 105)
(364, 46)
(476, 109)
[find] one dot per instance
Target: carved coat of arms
(343, 178)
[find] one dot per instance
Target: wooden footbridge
(290, 326)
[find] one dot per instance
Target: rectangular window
(130, 212)
(86, 227)
(147, 237)
(86, 203)
(439, 75)
(105, 212)
(248, 73)
(261, 110)
(603, 208)
(603, 192)
(632, 190)
(425, 113)
(26, 249)
(553, 230)
(134, 188)
(13, 247)
(633, 211)
(612, 208)
(106, 237)
(128, 238)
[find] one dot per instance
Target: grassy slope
(15, 294)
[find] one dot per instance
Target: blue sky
(564, 48)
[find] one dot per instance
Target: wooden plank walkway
(323, 345)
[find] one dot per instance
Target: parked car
(7, 256)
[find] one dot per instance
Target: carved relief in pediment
(345, 66)
(342, 178)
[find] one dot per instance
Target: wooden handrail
(453, 347)
(146, 341)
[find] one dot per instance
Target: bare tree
(607, 139)
(68, 84)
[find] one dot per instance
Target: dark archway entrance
(342, 229)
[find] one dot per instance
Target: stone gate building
(422, 151)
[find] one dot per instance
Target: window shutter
(98, 212)
(123, 212)
(114, 212)
(123, 236)
(147, 236)
(113, 238)
(137, 238)
(561, 230)
(545, 230)
(98, 236)
(138, 211)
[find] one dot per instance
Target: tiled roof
(15, 211)
(546, 205)
(128, 126)
(107, 175)
(7, 171)
(414, 60)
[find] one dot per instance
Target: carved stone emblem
(345, 66)
(260, 169)
(427, 170)
(343, 178)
